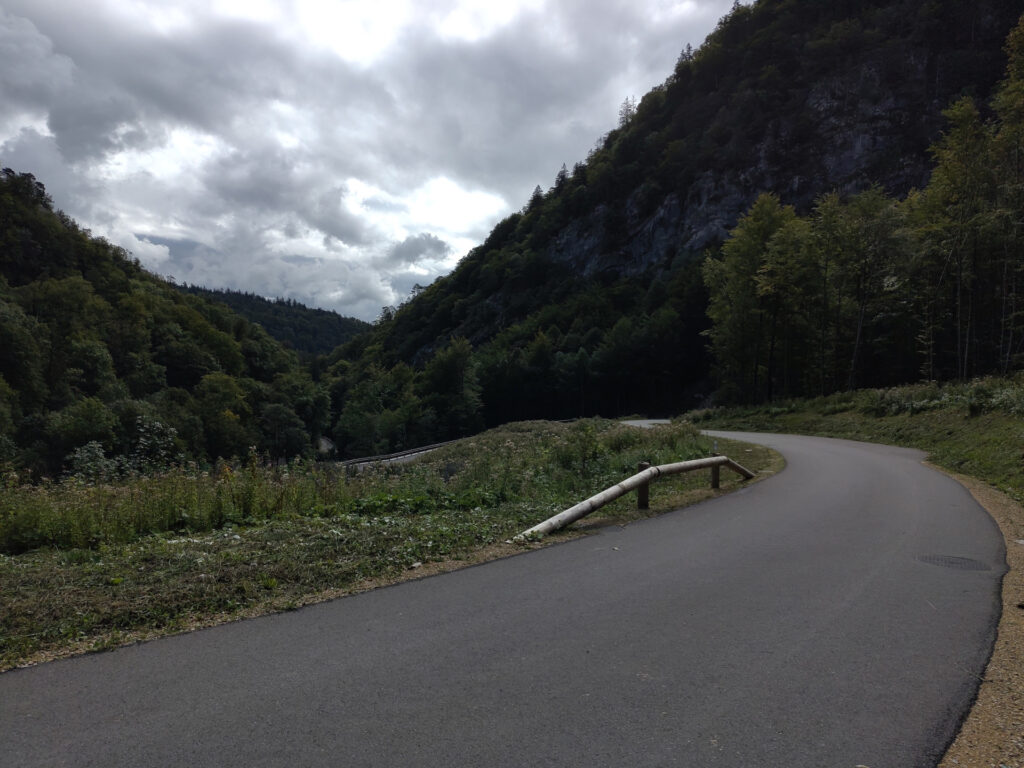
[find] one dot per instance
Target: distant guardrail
(427, 448)
(385, 457)
(640, 482)
(413, 451)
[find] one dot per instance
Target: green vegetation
(307, 330)
(974, 428)
(538, 465)
(107, 370)
(177, 550)
(877, 291)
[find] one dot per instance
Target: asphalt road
(837, 614)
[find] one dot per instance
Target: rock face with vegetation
(874, 290)
(789, 97)
(592, 298)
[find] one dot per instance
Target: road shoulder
(993, 732)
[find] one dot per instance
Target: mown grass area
(90, 566)
(975, 428)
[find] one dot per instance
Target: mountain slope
(305, 329)
(599, 275)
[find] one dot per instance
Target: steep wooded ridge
(307, 330)
(591, 299)
(105, 368)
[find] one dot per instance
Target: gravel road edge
(992, 734)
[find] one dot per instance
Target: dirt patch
(992, 735)
(111, 640)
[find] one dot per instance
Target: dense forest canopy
(106, 368)
(101, 359)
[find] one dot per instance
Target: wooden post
(716, 474)
(643, 491)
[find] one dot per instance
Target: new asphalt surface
(837, 614)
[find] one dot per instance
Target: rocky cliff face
(867, 119)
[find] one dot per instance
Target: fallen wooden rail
(638, 482)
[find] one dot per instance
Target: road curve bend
(837, 614)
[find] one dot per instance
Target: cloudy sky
(332, 151)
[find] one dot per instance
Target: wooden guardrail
(639, 482)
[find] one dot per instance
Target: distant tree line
(307, 330)
(617, 347)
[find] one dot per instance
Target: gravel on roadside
(992, 735)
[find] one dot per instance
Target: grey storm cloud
(414, 249)
(407, 282)
(268, 181)
(32, 74)
(232, 152)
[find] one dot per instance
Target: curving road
(838, 614)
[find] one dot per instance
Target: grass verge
(194, 549)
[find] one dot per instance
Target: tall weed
(532, 466)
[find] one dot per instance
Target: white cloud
(442, 204)
(152, 255)
(169, 160)
(355, 30)
(477, 19)
(288, 147)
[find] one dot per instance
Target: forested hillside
(875, 290)
(307, 330)
(592, 298)
(105, 367)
